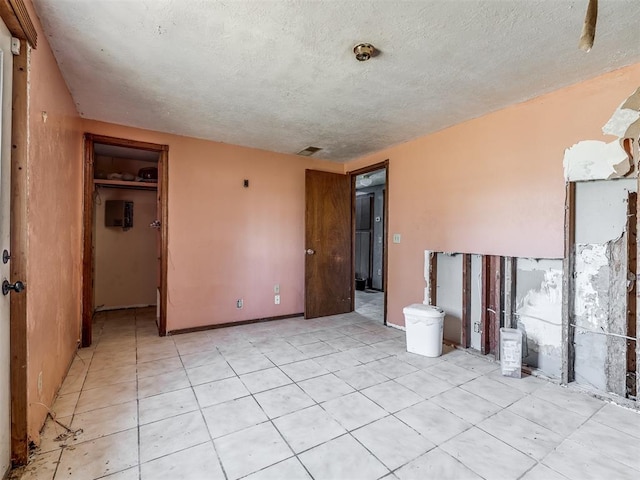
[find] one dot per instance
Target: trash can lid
(423, 310)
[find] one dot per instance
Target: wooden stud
(485, 344)
(87, 244)
(568, 294)
(466, 300)
(632, 292)
(495, 304)
(18, 265)
(164, 236)
(433, 278)
(509, 292)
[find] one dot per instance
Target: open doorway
(125, 229)
(370, 230)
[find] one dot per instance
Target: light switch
(396, 238)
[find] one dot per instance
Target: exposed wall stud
(466, 300)
(568, 292)
(509, 291)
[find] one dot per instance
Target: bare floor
(330, 398)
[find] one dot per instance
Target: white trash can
(511, 352)
(424, 325)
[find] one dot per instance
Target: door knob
(310, 251)
(16, 287)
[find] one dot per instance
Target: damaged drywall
(598, 160)
(538, 312)
(600, 283)
(449, 294)
(600, 315)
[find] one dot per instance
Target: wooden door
(329, 277)
(6, 72)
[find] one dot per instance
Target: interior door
(6, 68)
(329, 278)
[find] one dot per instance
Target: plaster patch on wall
(591, 282)
(595, 160)
(539, 312)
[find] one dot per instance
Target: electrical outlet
(276, 288)
(396, 238)
(239, 303)
(276, 299)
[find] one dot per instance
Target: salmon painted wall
(54, 230)
(492, 185)
(228, 242)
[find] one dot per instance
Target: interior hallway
(330, 398)
(370, 304)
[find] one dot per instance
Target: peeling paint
(596, 160)
(591, 267)
(625, 121)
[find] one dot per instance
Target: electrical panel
(118, 213)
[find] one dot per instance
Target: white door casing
(6, 74)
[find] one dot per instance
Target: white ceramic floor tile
(100, 457)
(163, 383)
(220, 391)
(199, 462)
(249, 363)
(361, 376)
(610, 443)
(234, 415)
(458, 402)
(290, 469)
(283, 400)
(436, 464)
(325, 387)
(392, 442)
(574, 401)
(42, 467)
(303, 370)
(392, 367)
(433, 422)
(493, 391)
(487, 456)
(392, 396)
(424, 384)
(353, 410)
(342, 458)
(577, 462)
(264, 380)
(547, 414)
(158, 367)
(250, 450)
(210, 372)
(128, 474)
(102, 378)
(542, 472)
(105, 421)
(307, 428)
(167, 405)
(452, 373)
(522, 434)
(171, 435)
(622, 419)
(106, 396)
(197, 359)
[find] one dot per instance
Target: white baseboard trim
(398, 327)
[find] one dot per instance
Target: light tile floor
(331, 398)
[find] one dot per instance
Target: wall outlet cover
(396, 238)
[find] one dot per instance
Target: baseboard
(397, 327)
(232, 324)
(102, 308)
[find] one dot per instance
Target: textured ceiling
(281, 75)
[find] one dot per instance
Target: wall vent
(307, 152)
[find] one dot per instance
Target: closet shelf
(125, 184)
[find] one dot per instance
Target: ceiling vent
(307, 152)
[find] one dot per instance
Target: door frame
(88, 218)
(384, 165)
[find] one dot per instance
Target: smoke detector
(364, 51)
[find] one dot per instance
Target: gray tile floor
(330, 398)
